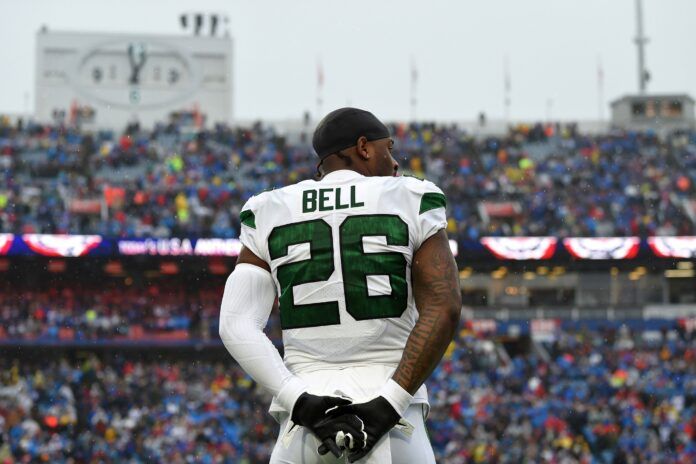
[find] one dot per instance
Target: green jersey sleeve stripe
(248, 219)
(431, 201)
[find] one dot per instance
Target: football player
(368, 294)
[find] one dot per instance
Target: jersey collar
(342, 174)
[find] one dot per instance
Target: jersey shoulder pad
(412, 176)
(431, 197)
(247, 215)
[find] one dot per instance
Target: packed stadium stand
(590, 397)
(172, 181)
(109, 349)
(165, 312)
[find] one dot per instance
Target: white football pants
(395, 447)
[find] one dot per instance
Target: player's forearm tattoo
(415, 365)
(437, 294)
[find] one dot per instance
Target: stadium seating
(156, 384)
(591, 397)
(68, 316)
(539, 180)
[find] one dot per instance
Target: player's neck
(362, 172)
(331, 165)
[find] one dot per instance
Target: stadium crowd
(90, 313)
(592, 397)
(589, 397)
(173, 181)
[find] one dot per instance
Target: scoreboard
(105, 80)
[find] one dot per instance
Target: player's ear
(361, 148)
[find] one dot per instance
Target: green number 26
(356, 265)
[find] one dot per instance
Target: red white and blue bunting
(503, 248)
(602, 248)
(521, 248)
(5, 243)
(68, 246)
(673, 247)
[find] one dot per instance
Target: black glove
(311, 411)
(351, 430)
(379, 418)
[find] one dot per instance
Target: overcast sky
(459, 47)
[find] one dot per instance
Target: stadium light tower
(199, 22)
(641, 40)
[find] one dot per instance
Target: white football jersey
(340, 252)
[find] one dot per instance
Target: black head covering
(341, 129)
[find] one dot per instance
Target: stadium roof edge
(118, 34)
(666, 96)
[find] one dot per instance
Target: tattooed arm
(435, 284)
(436, 291)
